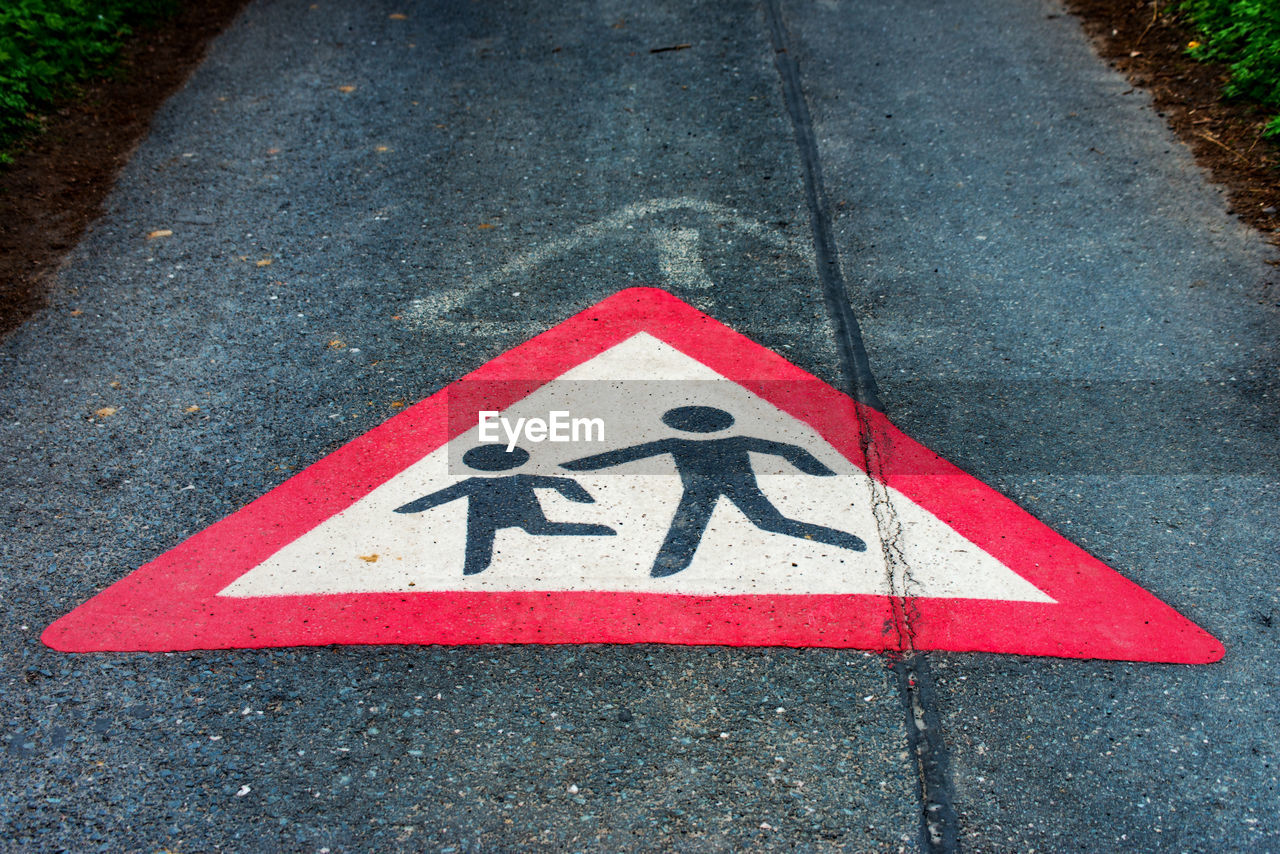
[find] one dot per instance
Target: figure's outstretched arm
(609, 459)
(570, 489)
(794, 454)
(435, 499)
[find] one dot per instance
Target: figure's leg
(752, 502)
(480, 533)
(690, 522)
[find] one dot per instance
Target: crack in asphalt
(939, 826)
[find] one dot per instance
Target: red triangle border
(171, 603)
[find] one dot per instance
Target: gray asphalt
(1049, 292)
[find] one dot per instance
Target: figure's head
(495, 458)
(697, 419)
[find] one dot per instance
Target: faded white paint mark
(680, 257)
(431, 310)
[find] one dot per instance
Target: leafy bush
(1245, 35)
(47, 46)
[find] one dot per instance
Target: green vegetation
(1245, 35)
(48, 46)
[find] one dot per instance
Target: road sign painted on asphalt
(639, 473)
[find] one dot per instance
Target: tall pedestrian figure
(710, 468)
(494, 503)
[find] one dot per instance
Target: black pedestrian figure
(710, 468)
(494, 503)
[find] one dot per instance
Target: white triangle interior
(370, 548)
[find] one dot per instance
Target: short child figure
(509, 501)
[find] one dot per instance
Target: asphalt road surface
(953, 211)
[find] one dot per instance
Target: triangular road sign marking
(326, 558)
